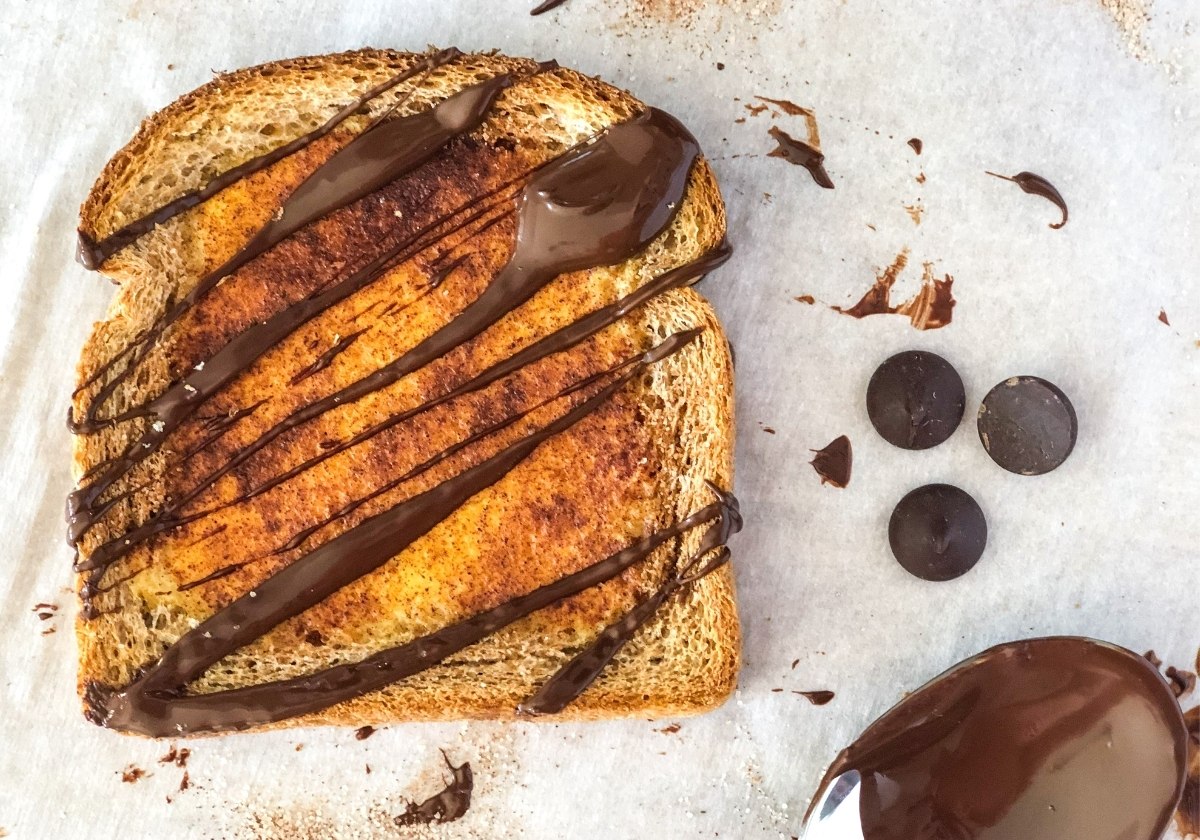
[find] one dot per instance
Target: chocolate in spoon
(1045, 739)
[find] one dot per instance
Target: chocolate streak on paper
(931, 308)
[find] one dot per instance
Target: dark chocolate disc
(937, 532)
(915, 400)
(1027, 425)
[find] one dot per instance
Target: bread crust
(679, 421)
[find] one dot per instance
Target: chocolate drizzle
(92, 253)
(598, 204)
(545, 6)
(573, 678)
(801, 154)
(1039, 186)
(155, 705)
(931, 308)
(1060, 738)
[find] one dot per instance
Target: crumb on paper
(1131, 17)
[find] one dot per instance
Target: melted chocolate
(931, 308)
(326, 359)
(1039, 186)
(787, 106)
(598, 204)
(573, 678)
(915, 400)
(1061, 738)
(155, 705)
(801, 154)
(445, 806)
(833, 463)
(92, 253)
(1187, 815)
(937, 532)
(1027, 425)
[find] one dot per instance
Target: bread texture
(637, 464)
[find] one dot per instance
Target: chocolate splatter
(1152, 657)
(800, 153)
(1187, 815)
(755, 110)
(915, 211)
(132, 773)
(916, 144)
(769, 430)
(1039, 186)
(809, 299)
(1162, 316)
(47, 631)
(817, 698)
(542, 8)
(177, 756)
(185, 782)
(669, 729)
(833, 463)
(44, 607)
(45, 615)
(364, 732)
(788, 107)
(795, 662)
(930, 309)
(445, 806)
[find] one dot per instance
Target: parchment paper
(1106, 546)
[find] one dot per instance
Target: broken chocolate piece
(1027, 425)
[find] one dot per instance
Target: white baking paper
(1106, 546)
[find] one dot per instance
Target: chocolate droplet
(1027, 425)
(937, 532)
(915, 400)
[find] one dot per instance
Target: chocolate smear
(176, 755)
(817, 698)
(1039, 186)
(445, 806)
(931, 308)
(1187, 814)
(800, 153)
(809, 299)
(916, 144)
(132, 774)
(364, 732)
(669, 729)
(788, 107)
(1042, 739)
(833, 463)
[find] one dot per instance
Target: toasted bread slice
(638, 463)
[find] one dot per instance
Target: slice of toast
(637, 464)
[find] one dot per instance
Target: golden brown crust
(645, 456)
